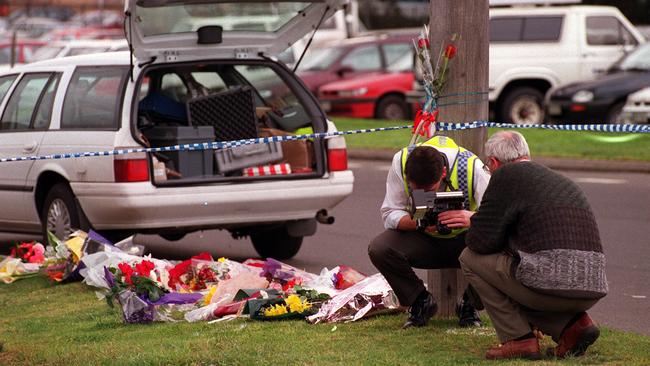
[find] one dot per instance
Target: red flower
(423, 43)
(450, 51)
(144, 268)
(127, 272)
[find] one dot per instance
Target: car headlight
(353, 93)
(583, 96)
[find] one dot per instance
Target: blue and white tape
(441, 126)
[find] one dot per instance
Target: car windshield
(320, 59)
(638, 59)
(404, 63)
(232, 16)
(46, 53)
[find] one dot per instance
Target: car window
(395, 51)
(93, 98)
(607, 31)
(173, 87)
(23, 102)
(526, 29)
(363, 59)
(44, 112)
(5, 84)
(210, 81)
(320, 58)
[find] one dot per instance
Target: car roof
(526, 10)
(106, 58)
(374, 38)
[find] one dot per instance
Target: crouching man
(534, 254)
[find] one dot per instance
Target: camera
(424, 208)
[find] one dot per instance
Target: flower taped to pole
(433, 78)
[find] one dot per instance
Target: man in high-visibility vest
(438, 164)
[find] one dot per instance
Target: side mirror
(344, 70)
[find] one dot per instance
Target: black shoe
(467, 315)
(421, 311)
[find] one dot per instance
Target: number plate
(554, 109)
(326, 106)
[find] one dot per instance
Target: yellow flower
(275, 310)
(209, 295)
(222, 259)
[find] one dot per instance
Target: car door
(606, 40)
(25, 117)
(185, 30)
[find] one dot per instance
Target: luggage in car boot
(298, 153)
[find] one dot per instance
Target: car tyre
(392, 107)
(276, 243)
(522, 106)
(60, 214)
(173, 236)
(614, 114)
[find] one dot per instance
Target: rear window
(23, 105)
(526, 29)
(5, 84)
(93, 99)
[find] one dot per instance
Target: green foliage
(567, 144)
(46, 324)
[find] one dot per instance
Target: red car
(377, 95)
(354, 57)
(24, 49)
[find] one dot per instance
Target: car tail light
(337, 159)
(131, 170)
(578, 107)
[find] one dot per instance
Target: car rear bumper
(567, 112)
(349, 107)
(142, 206)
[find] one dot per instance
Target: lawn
(570, 144)
(46, 324)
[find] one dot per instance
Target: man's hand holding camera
(455, 219)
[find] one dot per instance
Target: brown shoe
(575, 340)
(526, 348)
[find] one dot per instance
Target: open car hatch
(185, 30)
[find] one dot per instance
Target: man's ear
(444, 172)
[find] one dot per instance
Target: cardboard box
(299, 154)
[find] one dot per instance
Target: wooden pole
(468, 72)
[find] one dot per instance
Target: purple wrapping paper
(177, 298)
(368, 297)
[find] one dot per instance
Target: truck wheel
(276, 243)
(522, 106)
(59, 214)
(392, 107)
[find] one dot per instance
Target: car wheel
(276, 243)
(615, 113)
(522, 106)
(392, 107)
(59, 214)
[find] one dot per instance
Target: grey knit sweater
(544, 220)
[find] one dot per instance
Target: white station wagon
(214, 83)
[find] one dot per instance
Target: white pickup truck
(536, 48)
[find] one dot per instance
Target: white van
(195, 85)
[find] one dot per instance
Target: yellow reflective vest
(460, 173)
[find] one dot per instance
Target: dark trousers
(396, 252)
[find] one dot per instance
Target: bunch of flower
(198, 273)
(31, 252)
(292, 304)
(433, 77)
(141, 278)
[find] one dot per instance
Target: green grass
(46, 324)
(568, 144)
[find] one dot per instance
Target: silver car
(178, 86)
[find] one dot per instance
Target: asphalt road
(621, 202)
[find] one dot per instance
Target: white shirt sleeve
(394, 206)
(481, 181)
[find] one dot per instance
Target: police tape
(440, 126)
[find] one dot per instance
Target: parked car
(637, 108)
(78, 47)
(375, 95)
(175, 92)
(353, 57)
(23, 52)
(534, 49)
(601, 100)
